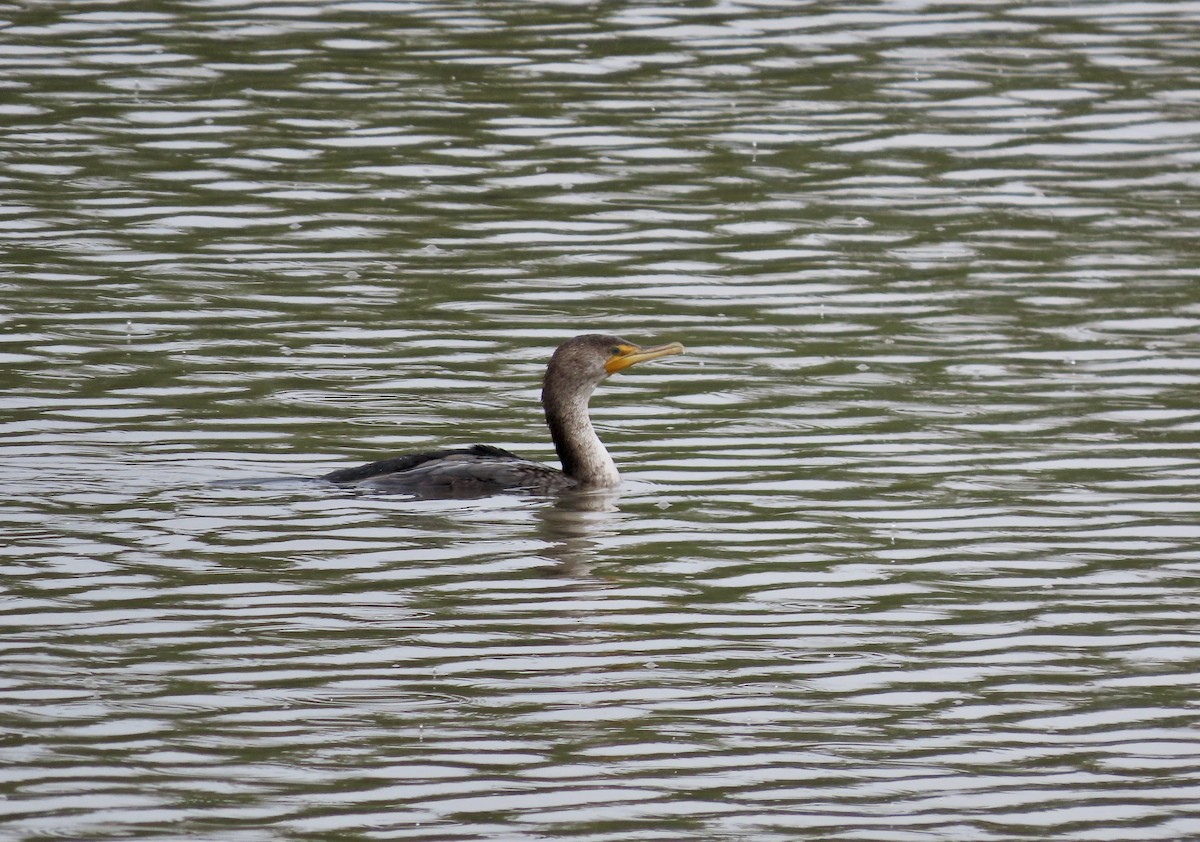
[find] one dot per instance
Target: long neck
(580, 450)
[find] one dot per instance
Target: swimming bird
(576, 368)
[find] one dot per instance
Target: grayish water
(908, 547)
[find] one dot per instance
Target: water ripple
(906, 545)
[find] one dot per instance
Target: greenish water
(907, 547)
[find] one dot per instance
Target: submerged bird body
(467, 472)
(575, 369)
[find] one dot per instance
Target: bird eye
(615, 350)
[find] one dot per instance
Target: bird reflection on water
(574, 526)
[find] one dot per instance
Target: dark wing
(466, 472)
(409, 461)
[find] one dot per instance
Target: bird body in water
(575, 369)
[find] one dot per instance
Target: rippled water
(908, 547)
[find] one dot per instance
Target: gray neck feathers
(580, 450)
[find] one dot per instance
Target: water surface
(907, 547)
